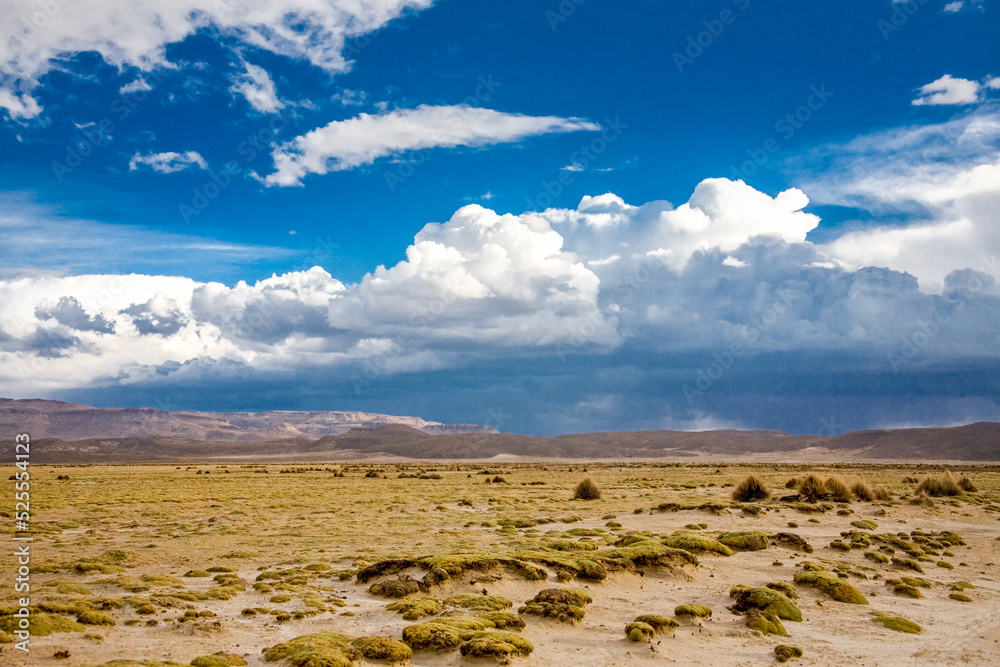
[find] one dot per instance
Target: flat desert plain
(496, 563)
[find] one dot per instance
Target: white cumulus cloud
(256, 86)
(169, 162)
(948, 90)
(362, 140)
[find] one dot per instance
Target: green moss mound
(765, 600)
(831, 585)
(322, 649)
(563, 604)
(638, 631)
(382, 648)
(479, 602)
(659, 623)
(865, 524)
(502, 620)
(41, 624)
(786, 588)
(443, 634)
(961, 597)
(219, 659)
(197, 573)
(745, 541)
(91, 617)
(414, 610)
(877, 556)
(688, 541)
(784, 653)
(908, 563)
(765, 622)
(897, 623)
(500, 645)
(399, 587)
(693, 610)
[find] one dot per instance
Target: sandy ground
(831, 633)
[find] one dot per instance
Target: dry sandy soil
(165, 521)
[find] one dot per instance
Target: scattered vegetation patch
(961, 597)
(864, 524)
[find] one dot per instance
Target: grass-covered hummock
(443, 634)
(693, 611)
(220, 659)
(496, 644)
(638, 631)
(896, 623)
(688, 541)
(564, 604)
(659, 623)
(399, 587)
(414, 610)
(832, 585)
(382, 648)
(587, 489)
(479, 602)
(765, 600)
(784, 653)
(502, 620)
(745, 541)
(322, 649)
(766, 622)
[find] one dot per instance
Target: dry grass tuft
(863, 491)
(751, 488)
(944, 485)
(837, 489)
(587, 490)
(812, 488)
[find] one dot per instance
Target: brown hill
(112, 436)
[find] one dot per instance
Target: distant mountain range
(73, 433)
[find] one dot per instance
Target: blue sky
(546, 216)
